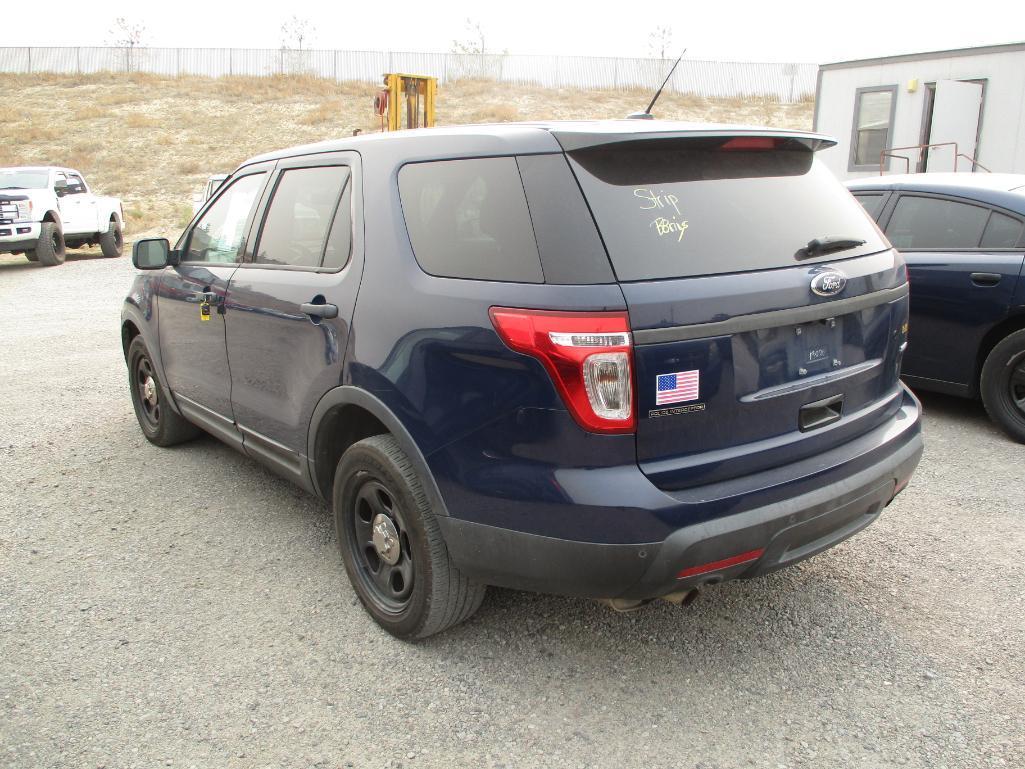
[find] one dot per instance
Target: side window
(872, 202)
(57, 179)
(1001, 232)
(217, 236)
(469, 219)
(935, 224)
(75, 185)
(870, 135)
(295, 229)
(339, 241)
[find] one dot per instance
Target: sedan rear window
(671, 208)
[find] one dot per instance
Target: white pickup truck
(45, 210)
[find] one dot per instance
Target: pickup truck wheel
(159, 423)
(111, 241)
(1003, 385)
(392, 547)
(32, 256)
(50, 248)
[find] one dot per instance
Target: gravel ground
(184, 607)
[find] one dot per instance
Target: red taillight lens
(587, 354)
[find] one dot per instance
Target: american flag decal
(676, 388)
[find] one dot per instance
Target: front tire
(111, 242)
(1002, 385)
(50, 249)
(392, 546)
(32, 256)
(159, 423)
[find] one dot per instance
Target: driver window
(299, 218)
(75, 184)
(217, 236)
(57, 179)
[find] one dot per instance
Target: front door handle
(319, 310)
(205, 297)
(986, 278)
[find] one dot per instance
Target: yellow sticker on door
(204, 311)
(672, 222)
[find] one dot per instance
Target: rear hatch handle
(820, 413)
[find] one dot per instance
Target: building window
(873, 126)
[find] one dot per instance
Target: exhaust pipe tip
(683, 597)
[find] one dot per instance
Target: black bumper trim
(789, 531)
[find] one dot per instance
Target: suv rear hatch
(768, 311)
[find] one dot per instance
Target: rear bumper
(767, 537)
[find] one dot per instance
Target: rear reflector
(725, 563)
(588, 356)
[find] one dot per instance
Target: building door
(955, 114)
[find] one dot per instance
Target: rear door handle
(986, 278)
(319, 310)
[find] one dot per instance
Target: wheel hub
(386, 539)
(149, 391)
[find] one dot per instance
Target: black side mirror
(60, 187)
(153, 254)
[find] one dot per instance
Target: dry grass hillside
(153, 140)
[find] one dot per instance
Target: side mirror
(61, 187)
(153, 254)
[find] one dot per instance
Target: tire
(375, 484)
(50, 249)
(1002, 385)
(159, 423)
(111, 242)
(32, 256)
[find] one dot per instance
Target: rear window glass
(683, 207)
(1002, 231)
(935, 223)
(871, 201)
(469, 219)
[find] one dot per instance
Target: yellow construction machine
(406, 101)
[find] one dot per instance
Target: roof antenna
(646, 115)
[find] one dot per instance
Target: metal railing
(723, 79)
(891, 152)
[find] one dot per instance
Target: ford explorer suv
(963, 237)
(46, 210)
(617, 360)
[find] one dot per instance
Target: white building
(970, 101)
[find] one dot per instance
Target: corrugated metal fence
(783, 82)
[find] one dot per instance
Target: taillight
(587, 354)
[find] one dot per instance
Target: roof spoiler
(572, 141)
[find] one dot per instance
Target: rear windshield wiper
(827, 245)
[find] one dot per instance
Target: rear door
(963, 261)
(290, 305)
(191, 303)
(752, 349)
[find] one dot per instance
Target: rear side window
(469, 219)
(936, 223)
(1001, 232)
(671, 208)
(300, 216)
(872, 202)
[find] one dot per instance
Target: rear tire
(159, 422)
(50, 249)
(392, 546)
(1002, 385)
(111, 242)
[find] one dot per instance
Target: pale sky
(770, 31)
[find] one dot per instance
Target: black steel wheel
(1002, 385)
(159, 422)
(50, 250)
(392, 546)
(112, 242)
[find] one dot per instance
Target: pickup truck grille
(8, 213)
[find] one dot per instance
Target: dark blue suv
(963, 236)
(617, 360)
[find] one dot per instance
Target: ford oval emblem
(828, 282)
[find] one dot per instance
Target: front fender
(140, 310)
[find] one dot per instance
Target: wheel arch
(51, 216)
(348, 414)
(1010, 324)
